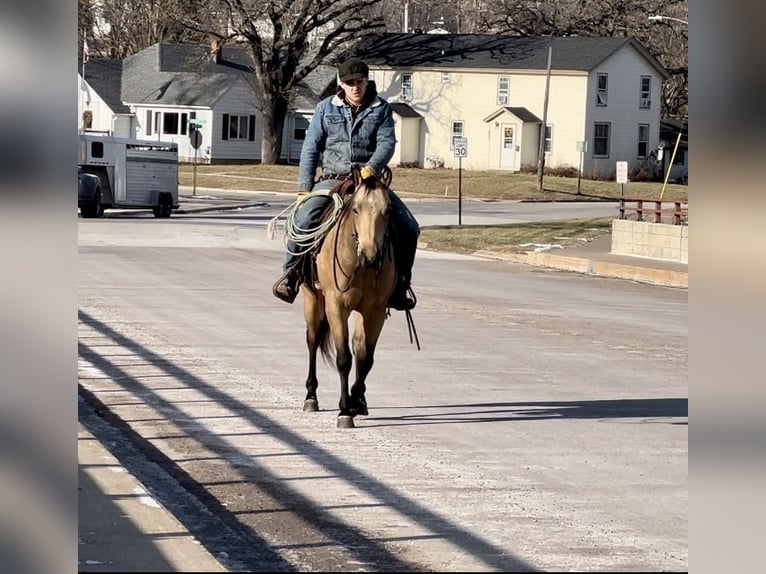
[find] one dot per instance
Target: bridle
(385, 247)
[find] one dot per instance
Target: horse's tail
(325, 341)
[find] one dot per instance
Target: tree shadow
(664, 408)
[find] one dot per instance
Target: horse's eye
(355, 210)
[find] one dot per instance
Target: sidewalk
(595, 258)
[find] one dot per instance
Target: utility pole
(541, 149)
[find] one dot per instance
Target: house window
(87, 119)
(601, 139)
(173, 123)
(407, 87)
(169, 123)
(643, 140)
(157, 118)
(148, 122)
(238, 127)
(646, 93)
(602, 83)
(299, 128)
(458, 129)
(548, 138)
(445, 77)
(502, 89)
(97, 149)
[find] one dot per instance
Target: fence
(677, 210)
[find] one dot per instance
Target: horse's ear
(386, 176)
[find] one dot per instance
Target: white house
(490, 90)
(162, 91)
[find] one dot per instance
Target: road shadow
(602, 409)
(246, 546)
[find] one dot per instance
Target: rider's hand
(366, 172)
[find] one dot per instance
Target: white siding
(185, 149)
(622, 111)
(238, 100)
(471, 96)
(407, 132)
(291, 147)
(104, 119)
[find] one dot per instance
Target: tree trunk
(274, 115)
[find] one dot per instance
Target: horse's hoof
(345, 422)
(310, 406)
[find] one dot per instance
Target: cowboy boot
(403, 298)
(286, 287)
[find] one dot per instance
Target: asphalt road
(543, 425)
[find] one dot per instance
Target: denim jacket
(342, 141)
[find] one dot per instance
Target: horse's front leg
(316, 333)
(337, 316)
(366, 334)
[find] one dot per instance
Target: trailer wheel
(164, 206)
(95, 209)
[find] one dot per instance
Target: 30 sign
(461, 147)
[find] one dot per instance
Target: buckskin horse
(355, 275)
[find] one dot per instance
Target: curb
(586, 266)
(221, 207)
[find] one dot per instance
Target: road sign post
(461, 151)
(622, 176)
(195, 139)
(582, 147)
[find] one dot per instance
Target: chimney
(215, 50)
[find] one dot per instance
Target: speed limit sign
(461, 147)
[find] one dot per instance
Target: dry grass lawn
(438, 183)
(514, 238)
(497, 185)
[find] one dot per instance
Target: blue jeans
(405, 225)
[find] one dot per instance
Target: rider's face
(354, 90)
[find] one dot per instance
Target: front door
(507, 146)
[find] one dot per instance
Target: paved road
(543, 425)
(435, 211)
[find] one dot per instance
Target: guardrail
(678, 210)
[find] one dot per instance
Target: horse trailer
(134, 174)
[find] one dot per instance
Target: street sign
(195, 138)
(195, 123)
(461, 147)
(582, 146)
(622, 172)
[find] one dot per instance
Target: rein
(386, 248)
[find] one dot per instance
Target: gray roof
(404, 110)
(492, 51)
(105, 77)
(187, 75)
(520, 112)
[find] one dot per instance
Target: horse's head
(370, 207)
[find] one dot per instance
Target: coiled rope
(305, 238)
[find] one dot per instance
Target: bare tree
(288, 40)
(668, 43)
(119, 28)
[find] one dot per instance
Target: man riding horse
(353, 127)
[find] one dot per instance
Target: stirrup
(287, 286)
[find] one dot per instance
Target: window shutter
(251, 129)
(225, 127)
